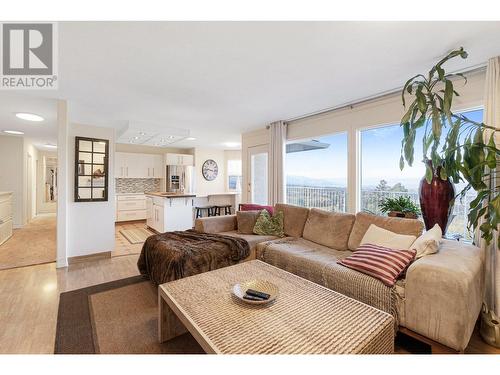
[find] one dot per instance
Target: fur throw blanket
(174, 255)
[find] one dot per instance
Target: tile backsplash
(137, 185)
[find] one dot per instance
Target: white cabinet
(158, 166)
(179, 159)
(131, 207)
(5, 216)
(131, 165)
(157, 218)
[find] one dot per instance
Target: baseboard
(90, 257)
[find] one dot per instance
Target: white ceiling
(219, 79)
(40, 133)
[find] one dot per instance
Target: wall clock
(210, 170)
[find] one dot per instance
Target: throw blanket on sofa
(174, 255)
(325, 270)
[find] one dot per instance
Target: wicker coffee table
(306, 318)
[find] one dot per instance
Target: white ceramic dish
(259, 285)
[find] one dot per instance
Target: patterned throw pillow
(380, 262)
(267, 225)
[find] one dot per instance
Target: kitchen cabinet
(131, 165)
(155, 216)
(131, 207)
(170, 213)
(179, 159)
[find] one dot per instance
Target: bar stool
(199, 211)
(226, 207)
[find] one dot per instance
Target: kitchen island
(168, 212)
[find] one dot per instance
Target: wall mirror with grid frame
(91, 169)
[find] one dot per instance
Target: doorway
(258, 178)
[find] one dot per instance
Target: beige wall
(202, 186)
(91, 225)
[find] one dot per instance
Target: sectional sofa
(438, 300)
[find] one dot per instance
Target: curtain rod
(471, 70)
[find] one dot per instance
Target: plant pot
(490, 327)
(407, 215)
(436, 201)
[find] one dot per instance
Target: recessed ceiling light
(232, 144)
(190, 139)
(50, 145)
(29, 117)
(142, 133)
(15, 132)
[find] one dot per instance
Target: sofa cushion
(318, 264)
(428, 243)
(380, 262)
(246, 221)
(267, 225)
(216, 224)
(394, 224)
(294, 218)
(383, 237)
(256, 207)
(331, 229)
(252, 239)
(444, 293)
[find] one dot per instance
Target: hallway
(35, 243)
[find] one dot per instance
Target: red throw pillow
(256, 207)
(380, 262)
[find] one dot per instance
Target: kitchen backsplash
(137, 185)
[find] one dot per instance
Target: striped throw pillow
(380, 262)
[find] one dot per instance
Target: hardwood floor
(122, 245)
(30, 299)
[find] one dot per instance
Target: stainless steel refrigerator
(180, 179)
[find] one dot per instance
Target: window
(316, 172)
(382, 178)
(234, 175)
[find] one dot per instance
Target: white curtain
(492, 118)
(277, 162)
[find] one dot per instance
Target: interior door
(258, 174)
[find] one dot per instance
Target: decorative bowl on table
(263, 286)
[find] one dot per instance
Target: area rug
(136, 235)
(119, 317)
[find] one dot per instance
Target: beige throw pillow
(383, 237)
(428, 243)
(246, 221)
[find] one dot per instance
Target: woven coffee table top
(305, 318)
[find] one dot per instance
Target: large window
(316, 172)
(382, 178)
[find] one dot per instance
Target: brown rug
(35, 243)
(119, 317)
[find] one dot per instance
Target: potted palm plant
(401, 206)
(455, 149)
